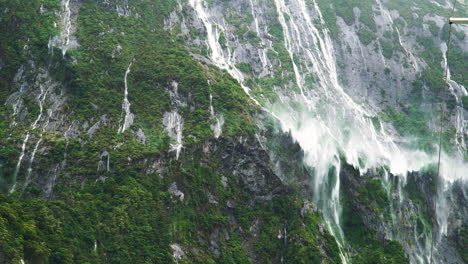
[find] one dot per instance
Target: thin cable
(442, 115)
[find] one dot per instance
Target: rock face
(370, 58)
(380, 52)
(247, 161)
(66, 39)
(250, 131)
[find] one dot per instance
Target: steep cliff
(240, 131)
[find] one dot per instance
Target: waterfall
(388, 17)
(128, 119)
(18, 164)
(457, 91)
(18, 104)
(41, 99)
(31, 161)
(217, 127)
(218, 56)
(174, 125)
(64, 40)
(327, 123)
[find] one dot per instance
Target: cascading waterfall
(174, 125)
(329, 124)
(51, 182)
(344, 126)
(36, 147)
(31, 161)
(457, 91)
(262, 53)
(64, 40)
(18, 164)
(442, 206)
(18, 104)
(217, 127)
(41, 99)
(128, 118)
(387, 16)
(223, 60)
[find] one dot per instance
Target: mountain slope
(159, 131)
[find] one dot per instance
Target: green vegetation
(465, 102)
(365, 196)
(433, 28)
(329, 16)
(458, 66)
(127, 214)
(432, 76)
(415, 189)
(369, 248)
(24, 33)
(387, 49)
(303, 234)
(373, 195)
(421, 8)
(93, 82)
(366, 36)
(462, 241)
(134, 219)
(276, 31)
(222, 40)
(244, 67)
(345, 10)
(125, 220)
(411, 122)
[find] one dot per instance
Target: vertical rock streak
(174, 125)
(218, 56)
(217, 127)
(64, 40)
(128, 118)
(40, 99)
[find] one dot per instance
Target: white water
(343, 125)
(222, 59)
(217, 127)
(262, 52)
(64, 40)
(18, 164)
(442, 203)
(31, 161)
(457, 91)
(41, 99)
(330, 122)
(174, 125)
(128, 118)
(18, 104)
(51, 182)
(389, 20)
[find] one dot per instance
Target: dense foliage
(127, 212)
